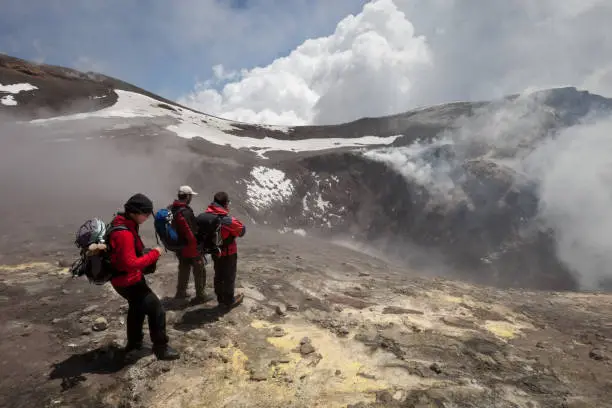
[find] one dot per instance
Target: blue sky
(164, 46)
(320, 61)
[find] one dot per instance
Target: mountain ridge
(15, 69)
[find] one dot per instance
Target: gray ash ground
(321, 326)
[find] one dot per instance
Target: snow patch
(8, 100)
(315, 197)
(13, 89)
(298, 231)
(322, 204)
(267, 187)
(16, 88)
(317, 200)
(276, 128)
(318, 209)
(305, 203)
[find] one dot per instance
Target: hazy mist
(53, 177)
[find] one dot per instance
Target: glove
(151, 268)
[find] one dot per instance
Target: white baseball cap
(187, 190)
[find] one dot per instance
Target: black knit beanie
(138, 204)
(221, 198)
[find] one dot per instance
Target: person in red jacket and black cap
(189, 256)
(226, 261)
(128, 255)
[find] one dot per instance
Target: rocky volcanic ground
(321, 325)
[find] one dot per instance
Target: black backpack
(92, 238)
(208, 235)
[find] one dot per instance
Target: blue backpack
(165, 230)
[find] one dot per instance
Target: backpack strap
(121, 228)
(180, 210)
(229, 240)
(112, 229)
(176, 210)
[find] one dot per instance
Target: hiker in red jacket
(129, 256)
(189, 257)
(226, 261)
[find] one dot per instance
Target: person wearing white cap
(186, 191)
(189, 257)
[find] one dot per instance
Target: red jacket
(231, 228)
(124, 253)
(184, 221)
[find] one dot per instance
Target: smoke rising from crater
(571, 170)
(574, 172)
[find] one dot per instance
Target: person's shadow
(103, 360)
(171, 303)
(195, 318)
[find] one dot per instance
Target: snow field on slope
(268, 144)
(267, 187)
(212, 129)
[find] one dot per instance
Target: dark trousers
(225, 277)
(185, 267)
(143, 302)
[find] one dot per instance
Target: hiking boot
(166, 353)
(237, 301)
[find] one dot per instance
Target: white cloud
(376, 49)
(377, 62)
